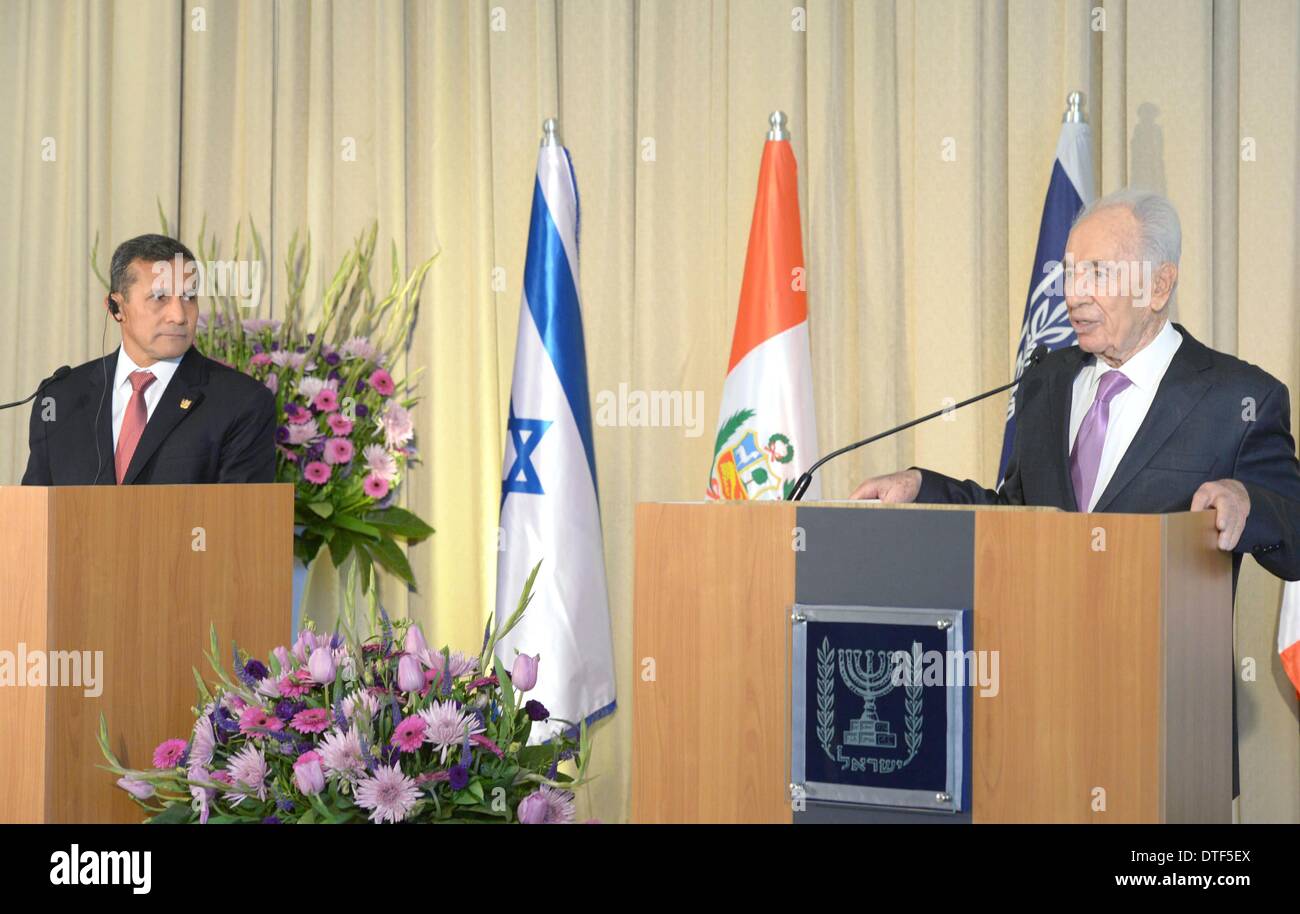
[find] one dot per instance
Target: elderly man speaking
(1140, 417)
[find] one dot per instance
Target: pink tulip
(410, 675)
(415, 643)
(322, 666)
(532, 809)
(308, 774)
(524, 672)
(141, 790)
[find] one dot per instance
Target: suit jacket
(1213, 417)
(213, 424)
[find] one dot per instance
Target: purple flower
(361, 410)
(536, 710)
(271, 820)
(333, 358)
(410, 675)
(141, 790)
(308, 773)
(322, 666)
(459, 777)
(532, 809)
(523, 674)
(256, 669)
(282, 434)
(361, 385)
(284, 709)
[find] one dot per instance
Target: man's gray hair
(1160, 234)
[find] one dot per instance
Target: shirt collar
(163, 369)
(1146, 366)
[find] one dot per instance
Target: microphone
(61, 372)
(803, 482)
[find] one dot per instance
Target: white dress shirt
(162, 370)
(1145, 368)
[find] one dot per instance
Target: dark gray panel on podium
(865, 556)
(833, 814)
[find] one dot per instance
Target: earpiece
(114, 309)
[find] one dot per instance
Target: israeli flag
(549, 507)
(1046, 318)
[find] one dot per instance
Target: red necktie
(137, 414)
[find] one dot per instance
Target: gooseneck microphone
(61, 372)
(803, 482)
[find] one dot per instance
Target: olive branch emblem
(826, 696)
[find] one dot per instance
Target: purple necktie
(1086, 456)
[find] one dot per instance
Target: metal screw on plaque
(942, 798)
(944, 624)
(797, 617)
(795, 790)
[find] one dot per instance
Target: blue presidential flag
(1046, 319)
(549, 508)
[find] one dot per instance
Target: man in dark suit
(1140, 417)
(156, 411)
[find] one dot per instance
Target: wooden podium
(1113, 632)
(137, 573)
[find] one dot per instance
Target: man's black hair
(151, 248)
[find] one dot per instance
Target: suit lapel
(102, 441)
(1061, 391)
(190, 375)
(1180, 390)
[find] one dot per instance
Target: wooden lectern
(137, 573)
(1113, 632)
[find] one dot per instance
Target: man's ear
(1162, 285)
(113, 307)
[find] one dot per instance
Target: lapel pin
(185, 404)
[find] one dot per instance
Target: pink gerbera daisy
(312, 720)
(296, 684)
(382, 382)
(339, 424)
(255, 721)
(409, 735)
(168, 753)
(389, 795)
(317, 472)
(338, 450)
(375, 486)
(326, 401)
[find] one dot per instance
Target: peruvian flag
(767, 428)
(1288, 633)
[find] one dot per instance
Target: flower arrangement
(386, 730)
(346, 434)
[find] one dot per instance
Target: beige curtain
(924, 133)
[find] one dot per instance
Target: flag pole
(778, 121)
(1074, 109)
(550, 132)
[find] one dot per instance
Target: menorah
(869, 683)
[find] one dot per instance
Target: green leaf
(729, 428)
(175, 814)
(387, 553)
(308, 818)
(342, 544)
(323, 508)
(401, 522)
(507, 687)
(349, 522)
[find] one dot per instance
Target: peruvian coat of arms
(746, 466)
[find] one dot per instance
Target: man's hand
(1231, 504)
(902, 486)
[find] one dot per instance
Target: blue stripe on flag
(553, 301)
(1040, 324)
